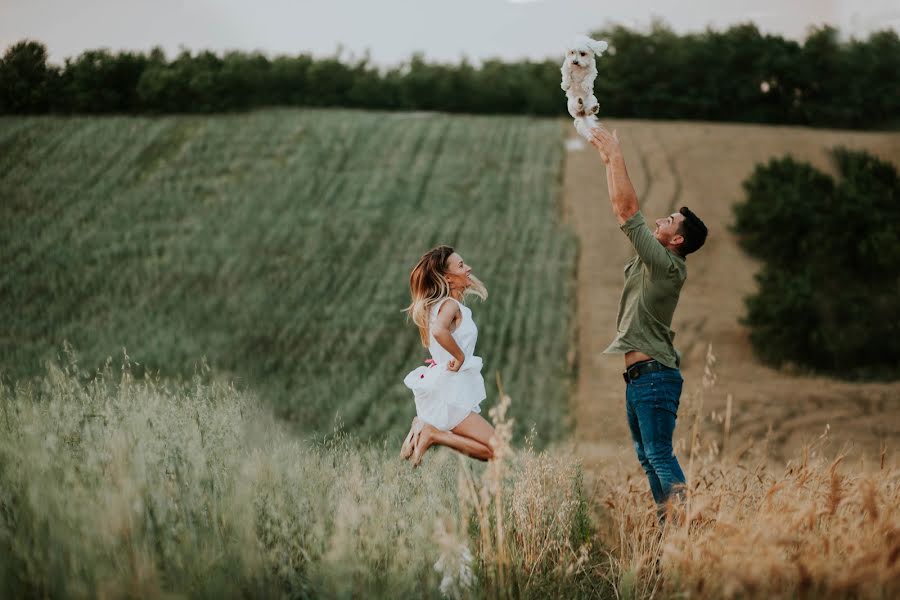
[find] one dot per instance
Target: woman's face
(458, 274)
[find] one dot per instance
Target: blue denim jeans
(652, 403)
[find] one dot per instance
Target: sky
(390, 31)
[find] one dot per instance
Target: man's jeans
(652, 403)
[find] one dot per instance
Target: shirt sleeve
(648, 248)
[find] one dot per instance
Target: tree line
(739, 74)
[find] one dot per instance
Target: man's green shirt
(653, 280)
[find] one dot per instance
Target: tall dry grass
(815, 527)
(115, 486)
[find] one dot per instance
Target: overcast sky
(391, 30)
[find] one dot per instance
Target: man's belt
(639, 369)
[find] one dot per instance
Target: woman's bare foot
(409, 443)
(424, 441)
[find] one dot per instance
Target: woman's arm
(440, 329)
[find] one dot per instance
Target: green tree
(101, 82)
(246, 80)
(289, 80)
(329, 83)
(27, 83)
(827, 94)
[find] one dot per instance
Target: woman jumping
(449, 391)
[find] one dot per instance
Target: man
(653, 281)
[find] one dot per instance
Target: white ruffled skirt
(444, 398)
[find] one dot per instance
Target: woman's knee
(476, 427)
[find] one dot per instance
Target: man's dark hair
(693, 230)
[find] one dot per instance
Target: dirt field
(702, 165)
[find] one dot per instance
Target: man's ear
(677, 240)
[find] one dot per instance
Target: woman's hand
(454, 364)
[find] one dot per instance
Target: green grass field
(132, 487)
(277, 245)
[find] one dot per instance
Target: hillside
(277, 244)
(272, 249)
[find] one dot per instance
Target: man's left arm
(625, 203)
(621, 190)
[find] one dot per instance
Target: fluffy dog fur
(579, 70)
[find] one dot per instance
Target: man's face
(667, 230)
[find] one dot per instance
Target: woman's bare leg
(471, 437)
(431, 436)
(475, 427)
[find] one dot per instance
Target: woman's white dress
(444, 398)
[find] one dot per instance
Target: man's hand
(454, 364)
(606, 143)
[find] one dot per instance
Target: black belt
(635, 371)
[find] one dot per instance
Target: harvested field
(702, 165)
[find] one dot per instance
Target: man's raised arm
(621, 191)
(625, 203)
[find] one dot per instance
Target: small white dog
(579, 70)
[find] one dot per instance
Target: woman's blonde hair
(428, 287)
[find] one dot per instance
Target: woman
(449, 391)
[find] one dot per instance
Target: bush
(783, 196)
(829, 291)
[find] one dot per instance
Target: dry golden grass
(773, 512)
(811, 530)
(145, 488)
(814, 527)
